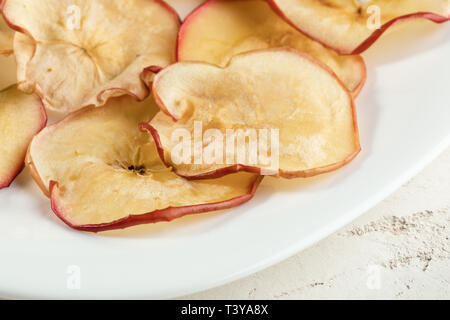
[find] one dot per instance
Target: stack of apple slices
(247, 25)
(102, 172)
(290, 67)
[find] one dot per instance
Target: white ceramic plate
(404, 118)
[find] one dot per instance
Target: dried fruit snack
(273, 89)
(220, 29)
(352, 26)
(6, 38)
(102, 172)
(85, 52)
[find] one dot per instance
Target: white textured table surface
(398, 250)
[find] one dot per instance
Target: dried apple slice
(352, 26)
(6, 38)
(102, 172)
(220, 29)
(273, 89)
(21, 117)
(85, 52)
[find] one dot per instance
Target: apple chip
(273, 112)
(247, 25)
(102, 172)
(352, 26)
(6, 38)
(21, 117)
(85, 52)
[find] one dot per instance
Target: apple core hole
(137, 169)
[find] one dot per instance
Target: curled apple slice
(21, 117)
(220, 29)
(293, 117)
(6, 38)
(102, 172)
(352, 26)
(85, 52)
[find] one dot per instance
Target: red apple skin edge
(240, 167)
(107, 93)
(366, 44)
(166, 215)
(193, 14)
(7, 182)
